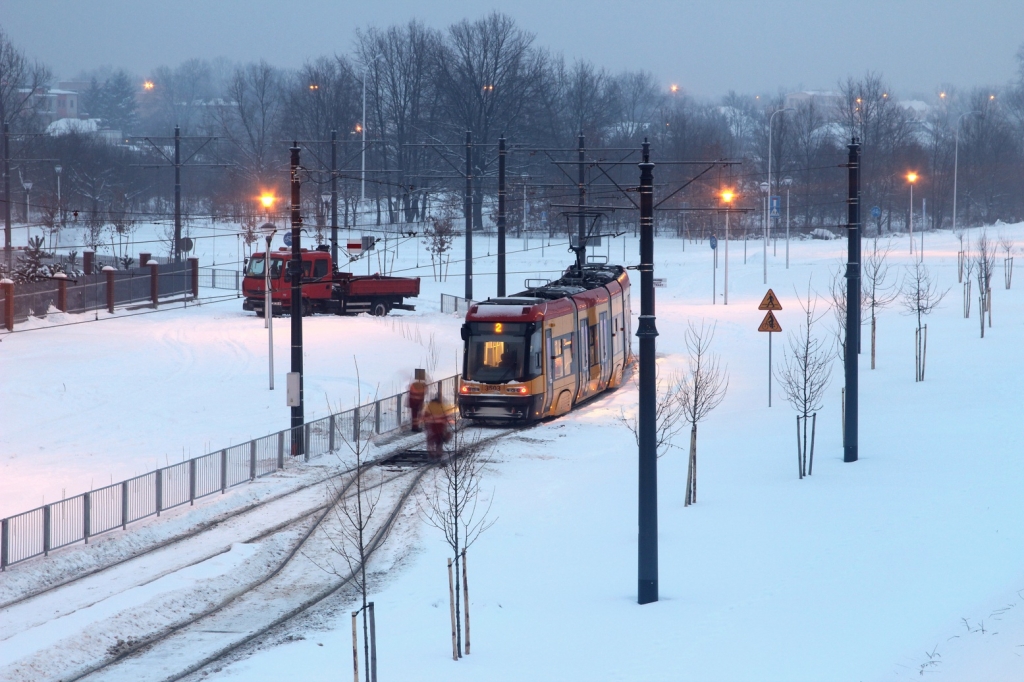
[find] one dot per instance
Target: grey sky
(708, 47)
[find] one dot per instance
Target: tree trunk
(465, 597)
(451, 603)
(872, 341)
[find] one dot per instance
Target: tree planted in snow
(1007, 245)
(453, 507)
(985, 262)
(353, 527)
(805, 374)
(30, 266)
(921, 296)
(702, 390)
(879, 291)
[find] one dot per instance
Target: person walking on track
(417, 393)
(438, 428)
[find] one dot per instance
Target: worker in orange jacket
(417, 394)
(438, 431)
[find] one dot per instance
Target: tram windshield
(493, 358)
(255, 267)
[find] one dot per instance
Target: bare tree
(961, 255)
(20, 79)
(670, 418)
(968, 271)
(1006, 244)
(921, 296)
(355, 531)
(879, 291)
(253, 120)
(805, 374)
(703, 389)
(985, 261)
(453, 507)
(439, 236)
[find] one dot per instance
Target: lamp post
(27, 184)
(911, 178)
(362, 129)
(956, 158)
(268, 230)
(788, 182)
(526, 236)
(325, 201)
(60, 209)
(727, 197)
(768, 199)
(766, 190)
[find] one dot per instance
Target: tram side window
(562, 356)
(593, 346)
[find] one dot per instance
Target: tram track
(128, 654)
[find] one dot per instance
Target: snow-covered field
(911, 557)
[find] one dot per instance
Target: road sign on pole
(713, 241)
(770, 302)
(770, 324)
(775, 206)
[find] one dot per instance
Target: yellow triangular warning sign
(770, 302)
(769, 323)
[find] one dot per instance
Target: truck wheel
(379, 309)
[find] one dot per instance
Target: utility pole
(468, 209)
(647, 536)
(334, 197)
(581, 220)
(177, 194)
(8, 249)
(501, 216)
(852, 304)
(295, 266)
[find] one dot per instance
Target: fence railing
(76, 519)
(214, 278)
(454, 304)
(89, 292)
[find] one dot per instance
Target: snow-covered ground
(911, 557)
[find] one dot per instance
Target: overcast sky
(708, 47)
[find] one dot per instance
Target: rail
(39, 531)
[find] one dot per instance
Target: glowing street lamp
(148, 85)
(911, 178)
(674, 88)
(727, 196)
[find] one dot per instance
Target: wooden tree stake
(451, 603)
(465, 598)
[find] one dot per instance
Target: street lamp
(770, 119)
(268, 229)
(27, 184)
(956, 159)
(727, 197)
(60, 209)
(911, 178)
(526, 237)
(788, 182)
(766, 190)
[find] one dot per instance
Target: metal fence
(213, 278)
(76, 519)
(89, 292)
(454, 304)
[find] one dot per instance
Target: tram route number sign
(770, 302)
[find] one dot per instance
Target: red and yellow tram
(538, 353)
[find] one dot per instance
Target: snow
(864, 571)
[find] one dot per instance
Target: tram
(542, 351)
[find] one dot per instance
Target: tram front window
(494, 358)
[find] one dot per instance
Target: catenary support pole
(177, 194)
(647, 536)
(468, 210)
(581, 220)
(501, 216)
(8, 249)
(295, 264)
(852, 306)
(334, 197)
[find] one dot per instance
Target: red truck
(324, 289)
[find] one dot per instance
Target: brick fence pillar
(154, 282)
(108, 270)
(87, 261)
(8, 286)
(144, 259)
(62, 291)
(194, 263)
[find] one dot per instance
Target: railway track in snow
(173, 647)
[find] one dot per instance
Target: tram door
(549, 371)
